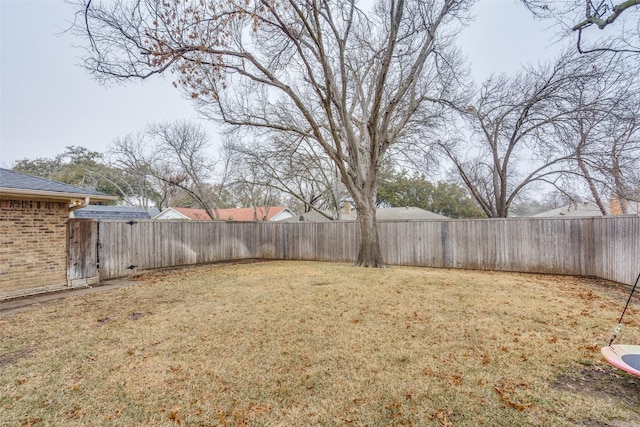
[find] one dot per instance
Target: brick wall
(33, 245)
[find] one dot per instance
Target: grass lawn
(322, 344)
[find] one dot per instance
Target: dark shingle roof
(19, 181)
(111, 212)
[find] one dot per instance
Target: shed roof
(17, 184)
(111, 212)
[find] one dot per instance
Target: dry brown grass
(302, 344)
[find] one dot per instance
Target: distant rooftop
(407, 213)
(585, 209)
(402, 214)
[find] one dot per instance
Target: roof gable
(260, 213)
(192, 213)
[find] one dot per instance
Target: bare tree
(513, 137)
(127, 154)
(605, 135)
(249, 184)
(625, 155)
(618, 22)
(354, 82)
(174, 155)
(298, 168)
(181, 160)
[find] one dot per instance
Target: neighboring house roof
(111, 212)
(272, 213)
(407, 214)
(16, 184)
(403, 214)
(582, 209)
(313, 216)
(182, 213)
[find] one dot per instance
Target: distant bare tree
(174, 155)
(605, 135)
(181, 160)
(128, 154)
(354, 81)
(298, 168)
(624, 159)
(250, 186)
(512, 138)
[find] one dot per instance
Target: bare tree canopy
(604, 134)
(515, 129)
(173, 156)
(355, 83)
(598, 24)
(298, 168)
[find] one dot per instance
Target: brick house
(33, 230)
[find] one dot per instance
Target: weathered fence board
(605, 247)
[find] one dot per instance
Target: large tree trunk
(369, 252)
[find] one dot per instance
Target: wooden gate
(83, 252)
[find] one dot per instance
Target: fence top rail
(448, 220)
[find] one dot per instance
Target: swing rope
(619, 325)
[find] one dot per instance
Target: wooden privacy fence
(606, 247)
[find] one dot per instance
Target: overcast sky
(49, 102)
